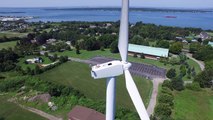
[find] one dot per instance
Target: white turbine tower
(115, 68)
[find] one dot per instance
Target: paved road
(200, 63)
(153, 99)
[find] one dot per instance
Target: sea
(179, 18)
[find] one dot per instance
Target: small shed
(83, 113)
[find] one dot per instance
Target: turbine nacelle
(109, 69)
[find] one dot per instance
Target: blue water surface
(202, 20)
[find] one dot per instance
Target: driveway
(153, 99)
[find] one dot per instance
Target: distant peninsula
(137, 9)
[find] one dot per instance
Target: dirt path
(41, 113)
(200, 63)
(153, 99)
(36, 111)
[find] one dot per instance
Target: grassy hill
(11, 111)
(78, 76)
(193, 105)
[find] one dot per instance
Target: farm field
(193, 105)
(78, 76)
(7, 44)
(11, 111)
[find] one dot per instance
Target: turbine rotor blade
(124, 30)
(135, 96)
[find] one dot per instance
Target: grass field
(78, 76)
(11, 111)
(210, 33)
(32, 66)
(7, 44)
(12, 34)
(191, 105)
(90, 54)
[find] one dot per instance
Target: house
(179, 38)
(83, 113)
(204, 36)
(184, 41)
(34, 60)
(51, 41)
(149, 52)
(68, 43)
(210, 43)
(194, 40)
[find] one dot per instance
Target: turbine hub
(126, 65)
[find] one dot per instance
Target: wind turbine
(115, 68)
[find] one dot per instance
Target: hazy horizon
(174, 4)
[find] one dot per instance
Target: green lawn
(210, 33)
(78, 76)
(90, 54)
(191, 105)
(7, 44)
(12, 34)
(32, 66)
(11, 111)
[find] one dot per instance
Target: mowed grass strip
(11, 111)
(78, 76)
(7, 44)
(193, 105)
(12, 34)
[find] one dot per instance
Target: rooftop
(210, 43)
(160, 52)
(83, 113)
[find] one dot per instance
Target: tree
(114, 47)
(204, 78)
(194, 47)
(177, 84)
(176, 48)
(37, 70)
(46, 54)
(142, 56)
(162, 44)
(183, 70)
(209, 65)
(77, 49)
(171, 73)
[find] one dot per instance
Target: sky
(108, 3)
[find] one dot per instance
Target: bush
(166, 99)
(166, 90)
(163, 110)
(171, 73)
(167, 84)
(194, 86)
